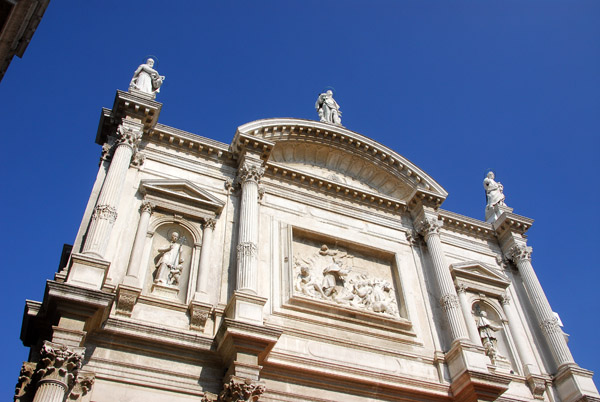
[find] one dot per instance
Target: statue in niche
(487, 334)
(328, 108)
(170, 263)
(494, 191)
(146, 78)
(328, 275)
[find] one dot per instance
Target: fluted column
(203, 267)
(521, 255)
(518, 335)
(57, 369)
(129, 135)
(135, 258)
(247, 249)
(429, 226)
(466, 310)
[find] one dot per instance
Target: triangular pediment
(182, 191)
(337, 156)
(479, 272)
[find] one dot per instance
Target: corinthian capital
(428, 225)
(241, 390)
(147, 207)
(519, 252)
(106, 212)
(250, 172)
(210, 223)
(129, 133)
(59, 364)
(550, 326)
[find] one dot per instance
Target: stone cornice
(371, 198)
(513, 223)
(189, 142)
(463, 224)
(283, 129)
(129, 105)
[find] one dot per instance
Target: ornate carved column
(203, 267)
(129, 135)
(428, 226)
(466, 310)
(57, 371)
(521, 255)
(249, 175)
(137, 250)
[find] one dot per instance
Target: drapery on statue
(328, 109)
(494, 191)
(146, 79)
(170, 263)
(488, 337)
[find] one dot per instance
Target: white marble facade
(310, 263)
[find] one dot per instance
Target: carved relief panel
(341, 275)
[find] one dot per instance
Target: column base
(87, 271)
(246, 307)
(126, 298)
(575, 384)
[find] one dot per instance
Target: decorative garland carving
(550, 326)
(249, 172)
(449, 302)
(106, 212)
(520, 252)
(246, 249)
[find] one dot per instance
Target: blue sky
(456, 87)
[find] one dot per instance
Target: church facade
(301, 262)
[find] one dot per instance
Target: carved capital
(413, 237)
(126, 299)
(210, 223)
(25, 387)
(449, 302)
(146, 207)
(505, 299)
(83, 385)
(246, 249)
(537, 385)
(241, 390)
(138, 159)
(461, 288)
(520, 252)
(59, 364)
(129, 134)
(427, 226)
(250, 172)
(105, 212)
(550, 326)
(199, 315)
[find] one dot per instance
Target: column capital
(210, 223)
(250, 172)
(241, 389)
(461, 288)
(147, 207)
(129, 133)
(505, 299)
(427, 225)
(519, 252)
(550, 326)
(59, 364)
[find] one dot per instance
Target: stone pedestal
(87, 271)
(165, 291)
(246, 307)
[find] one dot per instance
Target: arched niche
(492, 326)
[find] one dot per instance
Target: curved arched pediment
(338, 155)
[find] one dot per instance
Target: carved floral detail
(449, 302)
(210, 224)
(59, 364)
(129, 134)
(249, 172)
(428, 226)
(108, 149)
(246, 249)
(328, 276)
(537, 386)
(241, 390)
(520, 252)
(550, 326)
(505, 299)
(461, 288)
(198, 318)
(83, 385)
(24, 388)
(138, 159)
(146, 206)
(126, 300)
(106, 212)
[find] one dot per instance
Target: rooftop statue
(328, 109)
(146, 78)
(494, 195)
